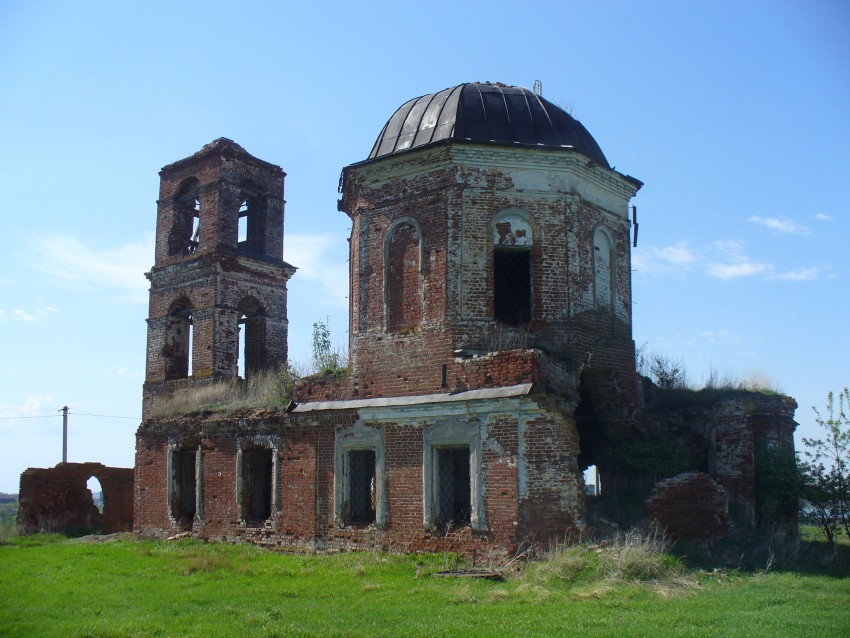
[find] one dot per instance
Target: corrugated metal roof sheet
(484, 113)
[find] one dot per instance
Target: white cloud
(121, 268)
(726, 260)
(719, 336)
(37, 405)
(19, 314)
(801, 274)
(656, 260)
(823, 218)
(780, 224)
(321, 259)
(736, 270)
(733, 262)
(678, 254)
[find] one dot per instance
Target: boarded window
(454, 495)
(403, 287)
(183, 485)
(603, 281)
(257, 466)
(361, 486)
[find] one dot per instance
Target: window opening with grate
(512, 285)
(361, 486)
(257, 468)
(183, 485)
(454, 495)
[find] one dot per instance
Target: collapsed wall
(58, 500)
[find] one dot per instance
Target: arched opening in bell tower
(251, 339)
(250, 231)
(177, 352)
(184, 237)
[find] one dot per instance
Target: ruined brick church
(491, 358)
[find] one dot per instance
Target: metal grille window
(256, 484)
(184, 487)
(512, 285)
(454, 497)
(361, 486)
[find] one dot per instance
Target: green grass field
(53, 586)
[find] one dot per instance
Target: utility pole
(64, 411)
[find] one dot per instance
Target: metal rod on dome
(537, 88)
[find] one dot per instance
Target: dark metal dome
(484, 113)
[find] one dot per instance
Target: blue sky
(736, 115)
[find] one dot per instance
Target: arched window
(177, 351)
(403, 281)
(251, 348)
(603, 270)
(185, 229)
(251, 231)
(96, 491)
(512, 241)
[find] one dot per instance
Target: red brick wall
(403, 286)
(689, 506)
(57, 499)
(553, 503)
(549, 507)
(454, 201)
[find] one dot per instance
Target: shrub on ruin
(327, 358)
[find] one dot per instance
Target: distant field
(52, 586)
(8, 514)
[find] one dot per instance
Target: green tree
(826, 467)
(326, 358)
(779, 486)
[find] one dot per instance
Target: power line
(107, 416)
(50, 416)
(25, 409)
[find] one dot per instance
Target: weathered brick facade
(57, 499)
(491, 357)
(219, 265)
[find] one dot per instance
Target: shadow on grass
(772, 552)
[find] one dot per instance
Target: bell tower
(218, 284)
